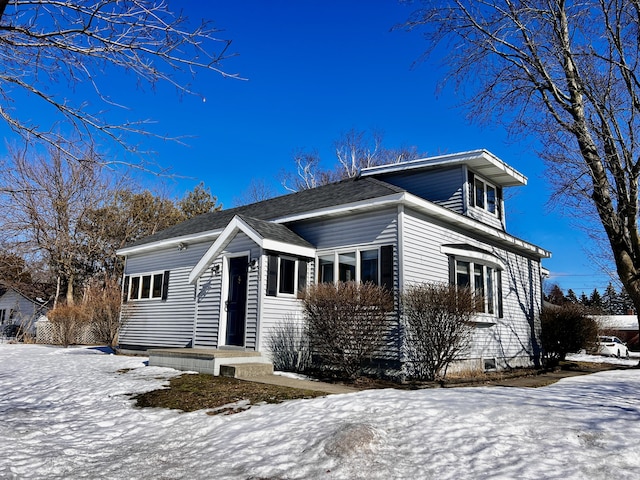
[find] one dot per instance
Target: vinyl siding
(158, 323)
(168, 323)
(168, 259)
(512, 340)
(372, 228)
(442, 186)
(210, 306)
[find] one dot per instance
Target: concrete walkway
(301, 384)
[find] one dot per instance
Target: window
(286, 275)
(485, 195)
(354, 266)
(147, 286)
(325, 269)
(485, 282)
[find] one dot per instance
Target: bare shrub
(346, 324)
(68, 319)
(102, 306)
(566, 329)
(289, 345)
(438, 328)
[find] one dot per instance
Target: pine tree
(571, 297)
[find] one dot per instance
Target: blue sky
(316, 69)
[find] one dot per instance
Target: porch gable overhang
(236, 225)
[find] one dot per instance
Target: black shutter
(165, 285)
(386, 267)
(125, 289)
(472, 189)
(499, 202)
(302, 276)
(499, 292)
(272, 276)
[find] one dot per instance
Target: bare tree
(44, 200)
(257, 191)
(354, 151)
(438, 327)
(66, 43)
(566, 72)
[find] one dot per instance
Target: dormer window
(485, 195)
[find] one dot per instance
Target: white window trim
(336, 258)
(295, 277)
(140, 275)
(485, 208)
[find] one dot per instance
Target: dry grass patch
(224, 395)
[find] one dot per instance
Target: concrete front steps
(246, 370)
(237, 363)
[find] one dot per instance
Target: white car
(613, 347)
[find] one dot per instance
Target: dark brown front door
(236, 305)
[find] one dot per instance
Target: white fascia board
(281, 247)
(387, 200)
(170, 242)
(234, 226)
(474, 225)
(473, 158)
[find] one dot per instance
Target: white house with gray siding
(222, 280)
(16, 308)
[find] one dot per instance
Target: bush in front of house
(566, 329)
(68, 319)
(102, 303)
(347, 325)
(438, 328)
(288, 343)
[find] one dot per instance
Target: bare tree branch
(48, 48)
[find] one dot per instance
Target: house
(19, 308)
(223, 280)
(625, 327)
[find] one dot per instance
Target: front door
(236, 304)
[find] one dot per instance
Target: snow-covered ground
(65, 413)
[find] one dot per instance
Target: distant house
(625, 327)
(223, 280)
(19, 308)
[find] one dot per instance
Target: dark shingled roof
(275, 231)
(334, 194)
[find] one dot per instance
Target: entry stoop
(246, 370)
(205, 360)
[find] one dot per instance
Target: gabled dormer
(470, 183)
